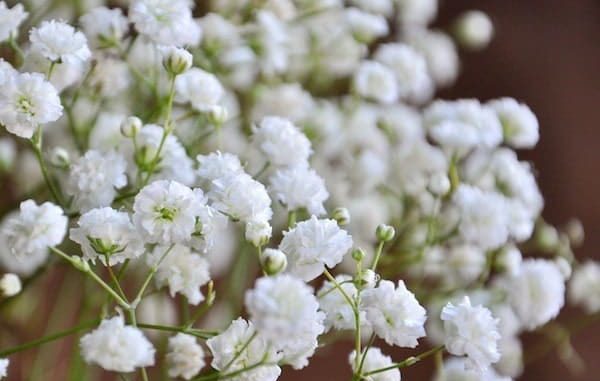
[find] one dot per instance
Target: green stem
(220, 376)
(190, 331)
(408, 362)
(17, 49)
(291, 221)
(36, 143)
(377, 255)
(51, 70)
(239, 352)
(150, 275)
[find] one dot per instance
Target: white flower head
(584, 286)
(438, 49)
(459, 369)
(313, 244)
(117, 347)
(282, 142)
(338, 313)
(165, 212)
(375, 360)
(210, 226)
(104, 27)
(185, 357)
(106, 232)
(183, 270)
(395, 314)
(242, 335)
(366, 26)
(36, 227)
(201, 89)
(10, 20)
(59, 42)
(95, 177)
(519, 123)
(216, 165)
(26, 101)
(376, 81)
(10, 285)
(472, 331)
(299, 187)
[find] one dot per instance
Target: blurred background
(545, 53)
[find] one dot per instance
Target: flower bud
(575, 232)
(177, 60)
(217, 115)
(80, 264)
(385, 233)
(367, 279)
(10, 285)
(439, 184)
(273, 261)
(131, 126)
(358, 254)
(547, 237)
(60, 157)
(474, 30)
(341, 215)
(258, 233)
(509, 259)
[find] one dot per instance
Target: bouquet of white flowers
(280, 171)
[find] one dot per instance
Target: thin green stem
(190, 331)
(239, 352)
(377, 255)
(36, 143)
(291, 221)
(340, 289)
(408, 362)
(150, 275)
(50, 70)
(17, 49)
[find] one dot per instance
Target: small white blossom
(439, 51)
(10, 20)
(106, 232)
(395, 314)
(104, 27)
(110, 76)
(375, 360)
(376, 81)
(366, 26)
(471, 331)
(520, 125)
(117, 347)
(338, 313)
(94, 179)
(584, 287)
(185, 357)
(184, 271)
(458, 369)
(4, 367)
(59, 42)
(474, 29)
(417, 12)
(210, 226)
(26, 101)
(10, 285)
(282, 142)
(313, 244)
(201, 89)
(299, 187)
(216, 165)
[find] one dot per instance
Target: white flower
(4, 367)
(366, 26)
(462, 124)
(458, 369)
(282, 142)
(439, 51)
(10, 285)
(24, 264)
(272, 37)
(417, 12)
(201, 89)
(584, 287)
(185, 357)
(106, 232)
(375, 81)
(536, 292)
(216, 165)
(472, 331)
(59, 42)
(520, 125)
(210, 226)
(241, 197)
(395, 314)
(375, 360)
(105, 27)
(36, 227)
(474, 29)
(165, 212)
(462, 264)
(184, 271)
(258, 232)
(95, 177)
(287, 100)
(313, 244)
(10, 20)
(383, 7)
(166, 22)
(26, 101)
(299, 187)
(410, 69)
(338, 313)
(117, 347)
(425, 161)
(483, 217)
(106, 132)
(285, 312)
(242, 336)
(110, 76)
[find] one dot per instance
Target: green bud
(177, 61)
(131, 126)
(358, 254)
(341, 215)
(385, 233)
(273, 261)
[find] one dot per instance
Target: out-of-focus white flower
(584, 287)
(366, 26)
(166, 22)
(240, 346)
(382, 7)
(375, 360)
(375, 81)
(536, 292)
(313, 244)
(176, 60)
(185, 357)
(395, 314)
(210, 225)
(117, 347)
(282, 142)
(511, 360)
(104, 27)
(165, 212)
(462, 264)
(285, 312)
(8, 153)
(410, 69)
(216, 165)
(417, 12)
(474, 29)
(110, 76)
(106, 132)
(509, 259)
(288, 100)
(200, 88)
(272, 37)
(24, 264)
(10, 285)
(26, 101)
(10, 20)
(519, 123)
(95, 177)
(299, 187)
(106, 232)
(338, 313)
(59, 42)
(471, 331)
(439, 52)
(426, 161)
(457, 369)
(4, 367)
(36, 227)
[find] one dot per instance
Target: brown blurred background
(545, 53)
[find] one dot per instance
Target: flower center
(25, 106)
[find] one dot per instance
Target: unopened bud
(547, 237)
(10, 285)
(258, 233)
(177, 60)
(474, 30)
(575, 232)
(341, 215)
(131, 126)
(385, 233)
(217, 115)
(358, 254)
(273, 261)
(367, 279)
(60, 157)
